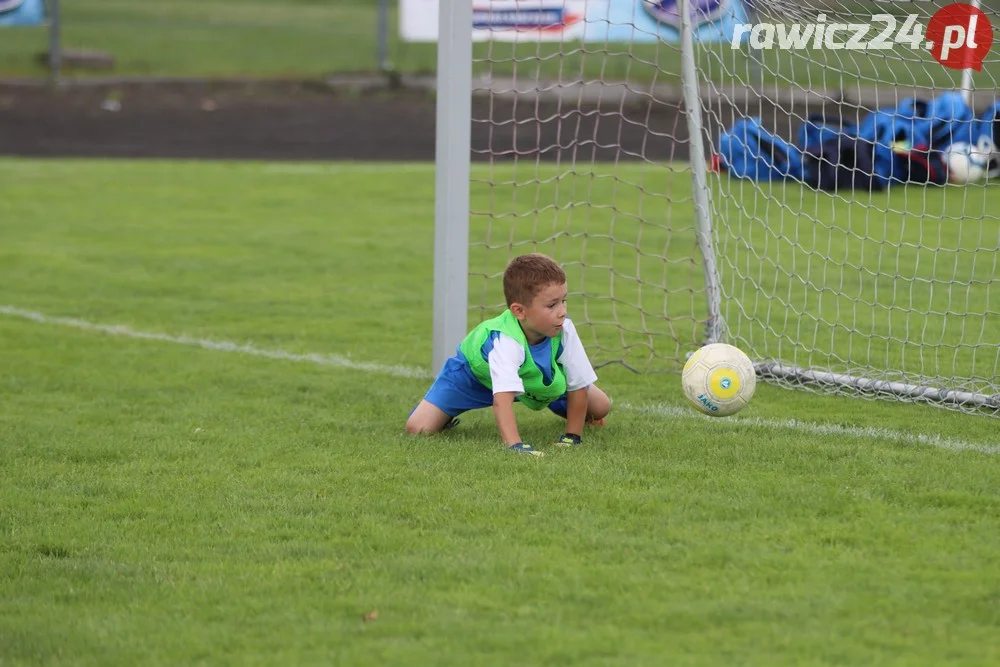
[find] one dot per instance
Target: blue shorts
(456, 390)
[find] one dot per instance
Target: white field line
(812, 428)
(662, 411)
(333, 360)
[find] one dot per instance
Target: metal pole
(55, 48)
(755, 70)
(451, 192)
(967, 74)
(873, 386)
(699, 171)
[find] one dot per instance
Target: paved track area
(286, 121)
(319, 121)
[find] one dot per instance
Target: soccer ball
(968, 163)
(719, 379)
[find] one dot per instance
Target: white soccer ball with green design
(719, 379)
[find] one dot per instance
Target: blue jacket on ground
(903, 144)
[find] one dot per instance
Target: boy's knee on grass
(418, 426)
(426, 418)
(598, 404)
(601, 410)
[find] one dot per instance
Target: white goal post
(597, 141)
(451, 186)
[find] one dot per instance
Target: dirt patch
(275, 121)
(313, 121)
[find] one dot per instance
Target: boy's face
(543, 318)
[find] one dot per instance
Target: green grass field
(312, 38)
(204, 372)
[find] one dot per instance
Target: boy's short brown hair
(527, 275)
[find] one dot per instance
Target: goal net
(828, 244)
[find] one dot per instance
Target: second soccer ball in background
(969, 163)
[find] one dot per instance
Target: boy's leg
(454, 391)
(598, 405)
(427, 418)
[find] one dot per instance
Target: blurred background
(219, 38)
(319, 38)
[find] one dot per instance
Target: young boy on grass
(530, 354)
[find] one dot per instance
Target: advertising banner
(22, 12)
(631, 21)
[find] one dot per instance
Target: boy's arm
(503, 410)
(505, 359)
(576, 411)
